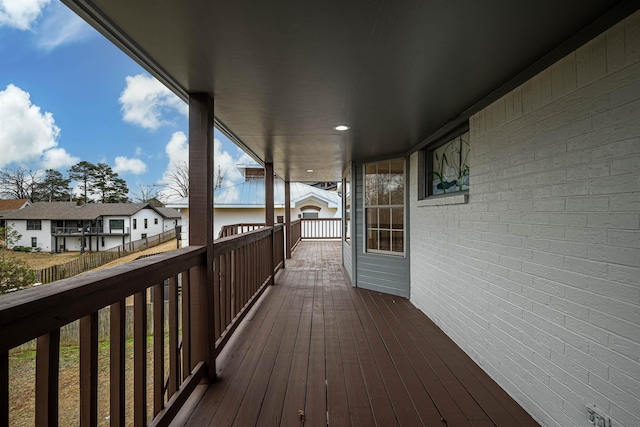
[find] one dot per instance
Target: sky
(68, 94)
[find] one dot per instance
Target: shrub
(15, 274)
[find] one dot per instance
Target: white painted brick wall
(537, 277)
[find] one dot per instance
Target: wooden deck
(317, 351)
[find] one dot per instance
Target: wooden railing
(296, 233)
(321, 228)
(202, 315)
(243, 266)
(233, 229)
(77, 231)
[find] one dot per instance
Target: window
(145, 223)
(143, 236)
(447, 165)
(310, 215)
(34, 224)
(116, 224)
(384, 206)
(34, 242)
(102, 241)
(135, 223)
(155, 221)
(346, 197)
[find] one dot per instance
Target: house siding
(43, 235)
(383, 273)
(537, 277)
(151, 230)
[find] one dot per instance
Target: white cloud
(57, 158)
(20, 14)
(145, 102)
(177, 150)
(126, 165)
(26, 133)
(227, 165)
(61, 26)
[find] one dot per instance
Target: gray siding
(349, 250)
(346, 260)
(383, 273)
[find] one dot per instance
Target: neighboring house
(10, 206)
(71, 226)
(244, 203)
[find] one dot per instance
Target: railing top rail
(230, 243)
(29, 313)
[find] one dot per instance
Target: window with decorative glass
(448, 166)
(384, 206)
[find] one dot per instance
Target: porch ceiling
(284, 73)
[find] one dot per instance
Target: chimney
(79, 202)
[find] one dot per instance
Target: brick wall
(537, 277)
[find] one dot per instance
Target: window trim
(391, 253)
(347, 226)
(36, 225)
(111, 227)
(425, 166)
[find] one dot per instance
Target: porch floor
(317, 351)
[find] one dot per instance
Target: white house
(71, 226)
(244, 204)
(11, 205)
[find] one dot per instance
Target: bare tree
(21, 183)
(146, 193)
(178, 179)
(217, 180)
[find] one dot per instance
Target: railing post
(201, 119)
(287, 218)
(4, 388)
(273, 257)
(47, 365)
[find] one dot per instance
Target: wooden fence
(90, 261)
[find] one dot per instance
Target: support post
(201, 227)
(287, 218)
(268, 194)
(269, 214)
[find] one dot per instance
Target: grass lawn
(22, 385)
(41, 260)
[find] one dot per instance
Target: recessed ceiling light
(309, 170)
(342, 127)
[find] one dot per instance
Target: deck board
(317, 347)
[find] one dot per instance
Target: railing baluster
(89, 370)
(174, 366)
(140, 359)
(117, 367)
(158, 348)
(186, 325)
(47, 364)
(4, 388)
(217, 302)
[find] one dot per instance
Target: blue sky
(68, 94)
